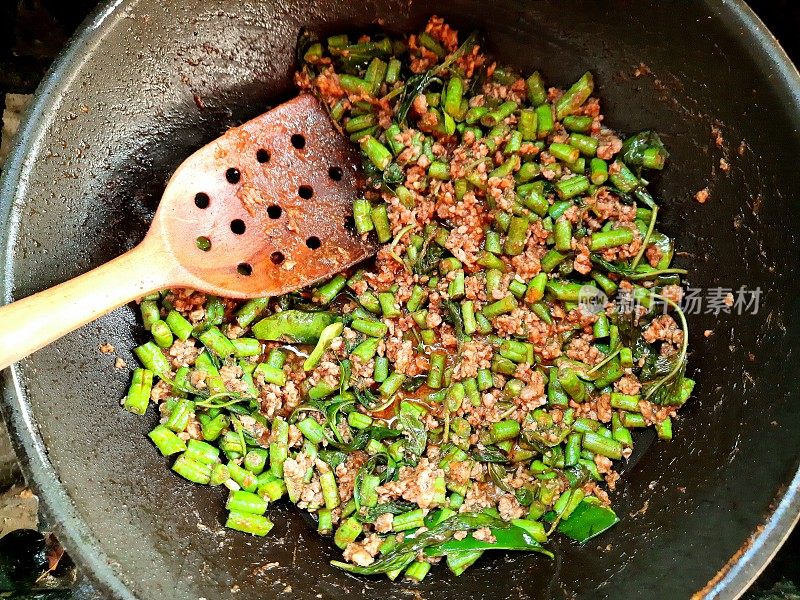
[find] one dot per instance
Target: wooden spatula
(261, 211)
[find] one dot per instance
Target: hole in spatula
(201, 200)
(298, 141)
(238, 227)
(274, 211)
(335, 173)
(244, 269)
(262, 156)
(277, 257)
(233, 175)
(203, 243)
(313, 242)
(305, 192)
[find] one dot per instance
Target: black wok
(148, 81)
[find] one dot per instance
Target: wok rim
(733, 579)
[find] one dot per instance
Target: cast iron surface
(147, 82)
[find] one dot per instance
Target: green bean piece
(622, 177)
(178, 325)
(501, 307)
(244, 347)
(311, 430)
(325, 515)
(556, 396)
(212, 426)
(569, 380)
(601, 240)
(577, 123)
(366, 349)
(381, 370)
(330, 491)
(359, 420)
(246, 502)
(417, 570)
(455, 289)
(153, 359)
(349, 529)
(562, 231)
(166, 441)
(258, 525)
(408, 520)
(601, 327)
(271, 374)
(528, 125)
(416, 299)
(602, 445)
(330, 333)
(504, 430)
(391, 384)
(517, 288)
(516, 237)
(248, 312)
(362, 211)
(494, 117)
(573, 186)
(220, 474)
(376, 152)
(279, 448)
(439, 170)
(545, 121)
(537, 94)
(370, 328)
(575, 96)
(453, 95)
(213, 339)
(664, 429)
(273, 489)
(626, 402)
(255, 460)
(436, 372)
(150, 313)
(180, 415)
(202, 452)
(587, 145)
(536, 287)
(380, 219)
(564, 152)
(192, 470)
(138, 397)
(606, 284)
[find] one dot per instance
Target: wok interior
(166, 77)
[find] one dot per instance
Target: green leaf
(405, 552)
(507, 538)
(362, 438)
(489, 454)
(633, 148)
(453, 316)
(398, 507)
(294, 326)
(417, 84)
(414, 430)
(412, 384)
(428, 261)
(640, 273)
(588, 520)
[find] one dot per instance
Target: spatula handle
(30, 324)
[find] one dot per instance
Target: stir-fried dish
(476, 385)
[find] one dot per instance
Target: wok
(146, 81)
